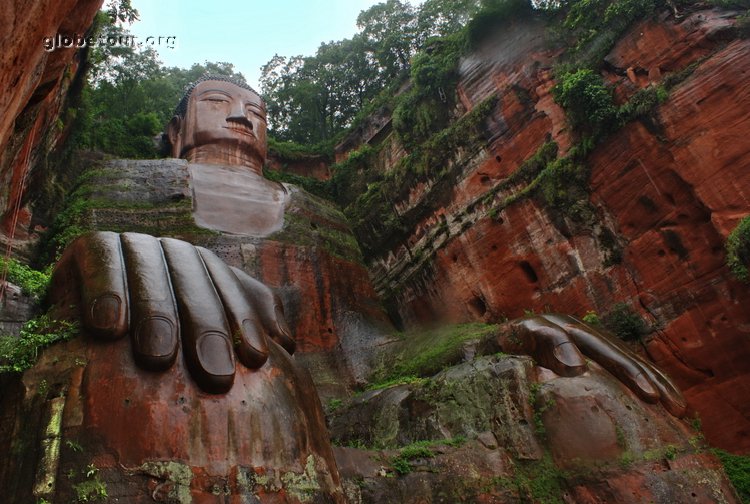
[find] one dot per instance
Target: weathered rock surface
(86, 424)
(666, 190)
(529, 434)
(35, 84)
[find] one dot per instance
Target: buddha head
(220, 120)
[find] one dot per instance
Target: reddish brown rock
(530, 434)
(97, 421)
(669, 188)
(35, 85)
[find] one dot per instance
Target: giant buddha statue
(184, 385)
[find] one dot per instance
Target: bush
(32, 282)
(738, 250)
(625, 323)
(18, 354)
(587, 102)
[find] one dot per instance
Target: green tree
(389, 30)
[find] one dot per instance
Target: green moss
(320, 188)
(399, 380)
(737, 468)
(376, 223)
(402, 463)
(92, 488)
(540, 480)
(738, 250)
(424, 353)
(587, 102)
(94, 205)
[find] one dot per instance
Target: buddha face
(222, 114)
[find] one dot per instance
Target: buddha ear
(175, 138)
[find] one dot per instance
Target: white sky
(246, 33)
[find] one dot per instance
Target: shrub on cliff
(587, 102)
(738, 250)
(625, 323)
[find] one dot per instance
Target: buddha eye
(216, 99)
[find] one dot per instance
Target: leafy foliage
(402, 463)
(18, 354)
(587, 102)
(738, 250)
(130, 96)
(32, 282)
(625, 323)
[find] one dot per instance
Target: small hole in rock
(528, 270)
(477, 306)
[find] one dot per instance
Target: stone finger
(154, 320)
(247, 330)
(206, 341)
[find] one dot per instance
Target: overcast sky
(246, 33)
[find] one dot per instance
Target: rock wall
(35, 84)
(511, 432)
(666, 191)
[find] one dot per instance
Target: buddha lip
(240, 128)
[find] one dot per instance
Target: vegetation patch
(737, 468)
(32, 282)
(424, 353)
(540, 480)
(18, 354)
(587, 102)
(738, 250)
(402, 463)
(625, 323)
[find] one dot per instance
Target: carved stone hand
(163, 290)
(559, 342)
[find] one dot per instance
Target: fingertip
(251, 345)
(645, 389)
(573, 363)
(213, 364)
(676, 406)
(155, 343)
(106, 316)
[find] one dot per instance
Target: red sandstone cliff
(670, 189)
(35, 85)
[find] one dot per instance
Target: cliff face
(35, 84)
(666, 191)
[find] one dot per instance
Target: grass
(424, 353)
(737, 468)
(402, 463)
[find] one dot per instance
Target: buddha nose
(237, 114)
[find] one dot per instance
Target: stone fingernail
(105, 311)
(156, 337)
(215, 354)
(253, 337)
(567, 353)
(645, 385)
